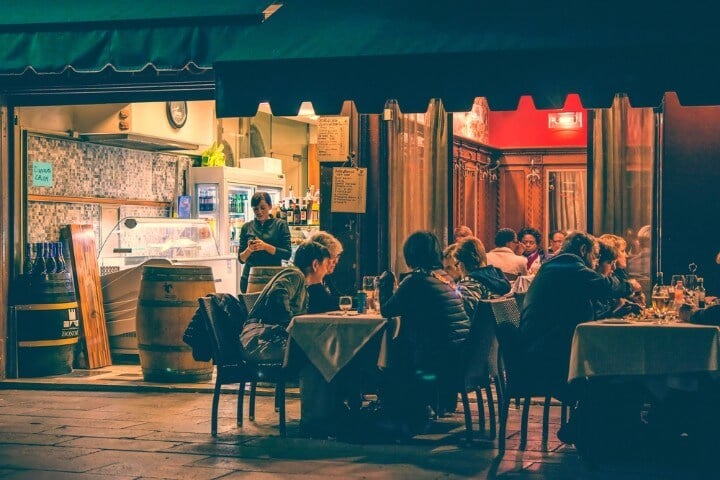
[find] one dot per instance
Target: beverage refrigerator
(221, 196)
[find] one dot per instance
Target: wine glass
(345, 304)
(661, 301)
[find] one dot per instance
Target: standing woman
(264, 242)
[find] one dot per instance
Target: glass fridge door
(207, 204)
(239, 212)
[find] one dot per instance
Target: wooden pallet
(94, 349)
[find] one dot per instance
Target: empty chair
(515, 380)
(232, 367)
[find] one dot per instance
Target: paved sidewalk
(88, 435)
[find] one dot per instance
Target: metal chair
(233, 368)
(515, 380)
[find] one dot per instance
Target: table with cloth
(640, 382)
(331, 352)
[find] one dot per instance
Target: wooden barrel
(259, 277)
(167, 301)
(47, 328)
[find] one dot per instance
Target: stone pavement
(86, 435)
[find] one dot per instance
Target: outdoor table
(321, 346)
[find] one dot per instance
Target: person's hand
(634, 285)
(257, 245)
(639, 298)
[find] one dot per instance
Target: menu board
(349, 190)
(333, 138)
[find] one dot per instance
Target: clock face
(177, 113)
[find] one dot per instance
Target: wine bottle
(29, 258)
(700, 293)
(38, 267)
(49, 258)
(60, 265)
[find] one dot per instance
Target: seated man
(503, 255)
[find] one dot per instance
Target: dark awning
(326, 52)
(91, 36)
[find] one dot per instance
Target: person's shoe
(568, 433)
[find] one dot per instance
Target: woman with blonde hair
(478, 279)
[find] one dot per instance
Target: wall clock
(176, 113)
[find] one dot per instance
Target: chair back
(481, 346)
(224, 326)
(249, 299)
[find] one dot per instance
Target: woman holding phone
(264, 242)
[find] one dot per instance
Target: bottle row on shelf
(43, 258)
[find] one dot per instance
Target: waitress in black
(264, 242)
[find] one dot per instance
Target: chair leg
(215, 403)
(468, 415)
(481, 410)
(545, 422)
(504, 404)
(280, 398)
(524, 423)
(491, 412)
(251, 409)
(517, 403)
(241, 400)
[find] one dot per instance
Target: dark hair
(307, 252)
(608, 251)
(471, 252)
(552, 234)
(530, 231)
(422, 250)
(260, 196)
(575, 240)
(504, 236)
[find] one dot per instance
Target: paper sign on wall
(349, 190)
(333, 138)
(42, 174)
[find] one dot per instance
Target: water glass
(345, 304)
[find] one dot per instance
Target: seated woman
(621, 263)
(449, 262)
(530, 240)
(611, 307)
(433, 328)
(479, 280)
(264, 334)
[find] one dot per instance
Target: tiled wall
(82, 169)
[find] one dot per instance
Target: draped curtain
(567, 200)
(418, 176)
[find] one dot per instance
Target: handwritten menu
(349, 190)
(333, 138)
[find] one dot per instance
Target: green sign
(42, 174)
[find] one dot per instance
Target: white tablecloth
(643, 349)
(330, 341)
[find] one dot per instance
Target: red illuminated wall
(528, 127)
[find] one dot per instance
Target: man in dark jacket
(560, 297)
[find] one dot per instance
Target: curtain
(567, 200)
(418, 177)
(622, 178)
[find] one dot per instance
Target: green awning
(90, 36)
(326, 52)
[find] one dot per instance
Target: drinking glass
(690, 282)
(677, 278)
(345, 304)
(661, 301)
(369, 284)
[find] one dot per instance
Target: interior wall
(689, 197)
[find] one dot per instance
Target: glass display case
(134, 240)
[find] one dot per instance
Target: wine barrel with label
(259, 277)
(167, 300)
(47, 325)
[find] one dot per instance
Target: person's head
(333, 245)
(584, 246)
(313, 259)
(556, 239)
(530, 238)
(470, 254)
(620, 245)
(607, 257)
(462, 231)
(422, 250)
(450, 263)
(506, 237)
(644, 237)
(261, 204)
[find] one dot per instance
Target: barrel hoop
(164, 348)
(48, 343)
(167, 277)
(46, 306)
(168, 303)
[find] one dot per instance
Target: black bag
(263, 343)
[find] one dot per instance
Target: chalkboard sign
(349, 190)
(333, 138)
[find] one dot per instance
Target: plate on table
(339, 313)
(645, 319)
(615, 321)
